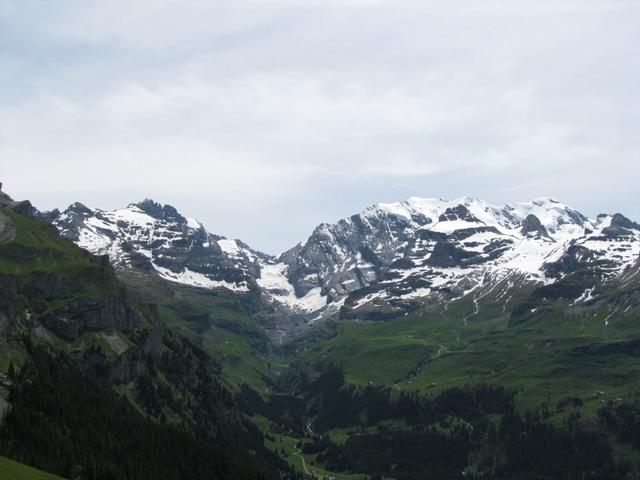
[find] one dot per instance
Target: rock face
(448, 255)
(23, 208)
(533, 225)
(8, 303)
(124, 369)
(388, 256)
(620, 226)
(7, 228)
(619, 220)
(65, 306)
(83, 315)
(128, 368)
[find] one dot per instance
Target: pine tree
(11, 372)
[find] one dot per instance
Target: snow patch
(193, 223)
(195, 279)
(230, 247)
(273, 278)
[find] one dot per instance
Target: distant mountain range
(419, 339)
(386, 260)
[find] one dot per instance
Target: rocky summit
(149, 238)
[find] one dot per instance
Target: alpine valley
(419, 339)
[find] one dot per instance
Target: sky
(264, 118)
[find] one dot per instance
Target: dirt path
(298, 453)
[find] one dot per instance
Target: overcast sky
(265, 118)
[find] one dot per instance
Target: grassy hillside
(38, 249)
(218, 323)
(45, 276)
(546, 356)
(12, 470)
(571, 366)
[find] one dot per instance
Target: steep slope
(53, 287)
(64, 313)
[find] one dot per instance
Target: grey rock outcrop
(22, 207)
(533, 225)
(620, 226)
(7, 228)
(83, 315)
(8, 303)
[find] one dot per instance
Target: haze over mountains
(386, 260)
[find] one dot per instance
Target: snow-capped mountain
(151, 238)
(148, 238)
(423, 250)
(392, 256)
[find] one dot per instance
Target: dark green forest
(443, 435)
(65, 424)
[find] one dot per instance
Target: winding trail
(298, 453)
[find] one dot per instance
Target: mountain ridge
(402, 254)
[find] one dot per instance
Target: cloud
(252, 114)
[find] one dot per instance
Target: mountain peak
(459, 212)
(619, 220)
(159, 211)
(79, 208)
